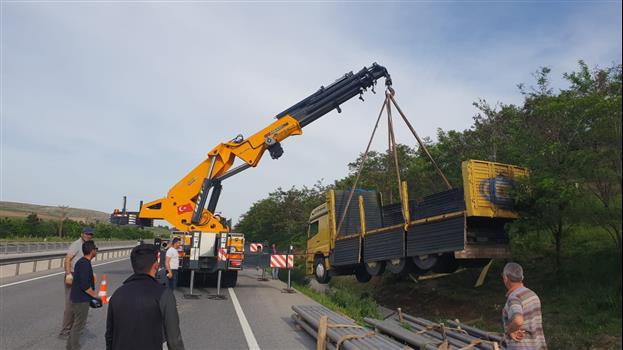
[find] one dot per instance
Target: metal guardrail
(54, 260)
(31, 247)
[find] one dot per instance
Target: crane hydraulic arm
(185, 204)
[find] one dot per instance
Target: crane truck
(205, 233)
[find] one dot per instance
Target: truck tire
(375, 268)
(399, 266)
(426, 262)
(361, 274)
(183, 278)
(320, 271)
(229, 279)
(446, 264)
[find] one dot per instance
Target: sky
(105, 99)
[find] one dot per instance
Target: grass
(581, 302)
(345, 300)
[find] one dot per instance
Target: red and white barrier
(255, 247)
(222, 254)
(282, 261)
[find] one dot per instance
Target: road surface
(255, 315)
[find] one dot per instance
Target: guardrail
(31, 247)
(14, 265)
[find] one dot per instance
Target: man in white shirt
(172, 262)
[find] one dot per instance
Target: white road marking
(53, 274)
(246, 328)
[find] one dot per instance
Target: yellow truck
(459, 227)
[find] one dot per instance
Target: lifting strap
(389, 99)
(392, 148)
(349, 336)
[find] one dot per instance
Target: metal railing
(13, 265)
(32, 247)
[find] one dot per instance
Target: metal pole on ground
(192, 284)
(218, 295)
(289, 289)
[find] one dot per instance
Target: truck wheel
(361, 274)
(320, 271)
(398, 266)
(446, 264)
(425, 262)
(375, 268)
(183, 278)
(229, 279)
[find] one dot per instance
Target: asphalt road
(255, 313)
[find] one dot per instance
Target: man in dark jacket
(141, 309)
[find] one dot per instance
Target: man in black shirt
(141, 309)
(82, 292)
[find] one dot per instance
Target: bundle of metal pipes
(341, 332)
(426, 335)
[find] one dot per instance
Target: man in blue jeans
(172, 262)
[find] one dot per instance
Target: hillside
(14, 209)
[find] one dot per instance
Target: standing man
(74, 253)
(82, 292)
(523, 323)
(172, 262)
(141, 309)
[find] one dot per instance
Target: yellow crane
(185, 204)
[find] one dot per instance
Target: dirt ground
(437, 300)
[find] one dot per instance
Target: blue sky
(101, 100)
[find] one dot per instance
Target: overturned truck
(459, 227)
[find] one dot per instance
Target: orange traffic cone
(102, 292)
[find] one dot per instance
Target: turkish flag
(184, 208)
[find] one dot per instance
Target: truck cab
(319, 241)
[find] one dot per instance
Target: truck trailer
(463, 226)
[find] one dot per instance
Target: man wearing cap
(82, 294)
(74, 253)
(523, 323)
(172, 262)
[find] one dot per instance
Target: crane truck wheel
(183, 278)
(229, 279)
(320, 271)
(361, 274)
(375, 268)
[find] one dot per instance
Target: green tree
(282, 217)
(32, 224)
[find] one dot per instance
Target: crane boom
(185, 204)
